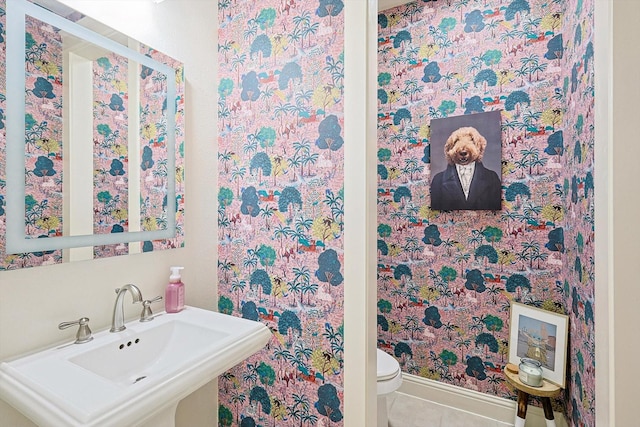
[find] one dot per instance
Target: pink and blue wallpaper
(280, 216)
(110, 139)
(153, 158)
(578, 186)
(446, 279)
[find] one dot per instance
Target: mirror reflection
(94, 140)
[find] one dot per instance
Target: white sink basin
(151, 353)
(131, 377)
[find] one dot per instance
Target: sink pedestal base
(163, 418)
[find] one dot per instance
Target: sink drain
(140, 379)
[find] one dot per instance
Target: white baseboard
(485, 405)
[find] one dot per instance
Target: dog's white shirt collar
(471, 167)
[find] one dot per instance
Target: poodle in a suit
(465, 183)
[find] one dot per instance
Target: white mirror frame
(16, 238)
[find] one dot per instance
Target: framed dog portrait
(541, 335)
(466, 162)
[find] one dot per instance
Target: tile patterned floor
(409, 411)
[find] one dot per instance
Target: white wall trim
(605, 334)
(360, 221)
(472, 401)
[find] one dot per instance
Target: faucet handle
(84, 332)
(147, 314)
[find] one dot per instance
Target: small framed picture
(541, 335)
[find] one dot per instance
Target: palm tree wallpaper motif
(44, 145)
(445, 279)
(280, 216)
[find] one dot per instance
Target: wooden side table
(545, 392)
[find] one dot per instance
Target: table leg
(548, 412)
(523, 401)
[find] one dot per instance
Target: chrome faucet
(117, 323)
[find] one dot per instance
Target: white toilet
(389, 380)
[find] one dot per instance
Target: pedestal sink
(131, 378)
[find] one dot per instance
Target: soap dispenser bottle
(174, 294)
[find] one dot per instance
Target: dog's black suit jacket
(484, 191)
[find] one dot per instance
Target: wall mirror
(94, 139)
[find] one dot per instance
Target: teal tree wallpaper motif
(110, 139)
(280, 216)
(44, 99)
(111, 158)
(446, 279)
(43, 137)
(578, 185)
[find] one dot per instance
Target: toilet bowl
(389, 380)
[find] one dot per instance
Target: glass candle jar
(530, 372)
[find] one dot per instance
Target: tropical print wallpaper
(280, 216)
(154, 170)
(578, 187)
(446, 279)
(111, 157)
(43, 133)
(45, 106)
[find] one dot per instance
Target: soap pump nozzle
(175, 274)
